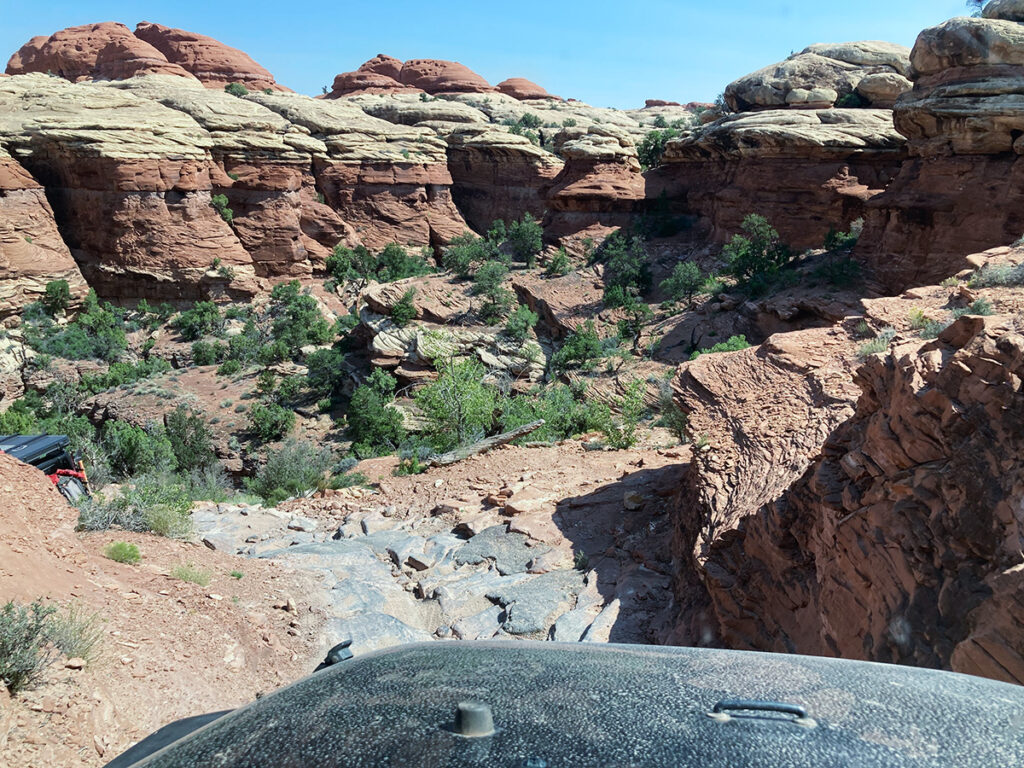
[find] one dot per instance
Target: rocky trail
(555, 543)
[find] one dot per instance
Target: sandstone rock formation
(130, 183)
(385, 74)
(31, 250)
(807, 171)
(960, 190)
(522, 89)
(821, 75)
(599, 188)
(209, 60)
(92, 52)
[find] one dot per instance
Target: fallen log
(444, 459)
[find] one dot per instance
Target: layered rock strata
(960, 191)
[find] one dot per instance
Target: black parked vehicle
(541, 705)
(52, 454)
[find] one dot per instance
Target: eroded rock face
(209, 60)
(129, 180)
(31, 250)
(805, 170)
(522, 89)
(822, 74)
(960, 191)
(106, 51)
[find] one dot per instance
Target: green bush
(620, 431)
(404, 311)
(460, 407)
(236, 89)
(190, 573)
(840, 272)
(204, 318)
(394, 263)
(220, 204)
(980, 306)
(464, 252)
(358, 264)
(757, 256)
(98, 332)
(997, 274)
(25, 652)
(581, 348)
(519, 323)
(76, 632)
(652, 147)
(191, 440)
(685, 280)
(270, 421)
(208, 352)
(835, 239)
(157, 502)
(326, 372)
(878, 344)
(566, 413)
(626, 274)
(525, 239)
(133, 450)
(672, 416)
(732, 344)
(373, 425)
(56, 297)
(19, 419)
(229, 368)
(292, 470)
(351, 264)
(488, 282)
(852, 100)
(121, 373)
(123, 552)
(297, 321)
(559, 264)
(631, 327)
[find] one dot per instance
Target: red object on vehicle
(66, 473)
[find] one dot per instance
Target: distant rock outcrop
(961, 190)
(106, 51)
(807, 171)
(211, 61)
(522, 89)
(826, 74)
(31, 250)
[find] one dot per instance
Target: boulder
(439, 76)
(211, 61)
(522, 89)
(817, 77)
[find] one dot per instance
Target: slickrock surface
(959, 192)
(211, 61)
(822, 74)
(805, 170)
(31, 250)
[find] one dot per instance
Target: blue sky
(606, 53)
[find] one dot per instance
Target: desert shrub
(685, 280)
(631, 327)
(190, 439)
(351, 264)
(270, 421)
(566, 413)
(294, 469)
(672, 416)
(524, 239)
(76, 632)
(931, 329)
(980, 306)
(247, 346)
(569, 122)
(296, 318)
(98, 332)
(620, 431)
(394, 263)
(519, 323)
(878, 344)
(404, 311)
(732, 344)
(626, 274)
(852, 100)
(122, 373)
(464, 252)
(25, 652)
(220, 204)
(19, 419)
(581, 348)
(229, 368)
(133, 450)
(836, 239)
(758, 255)
(916, 319)
(358, 264)
(56, 297)
(1001, 274)
(157, 502)
(208, 352)
(204, 318)
(488, 283)
(373, 425)
(652, 147)
(325, 375)
(123, 552)
(190, 573)
(559, 264)
(460, 406)
(236, 89)
(840, 272)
